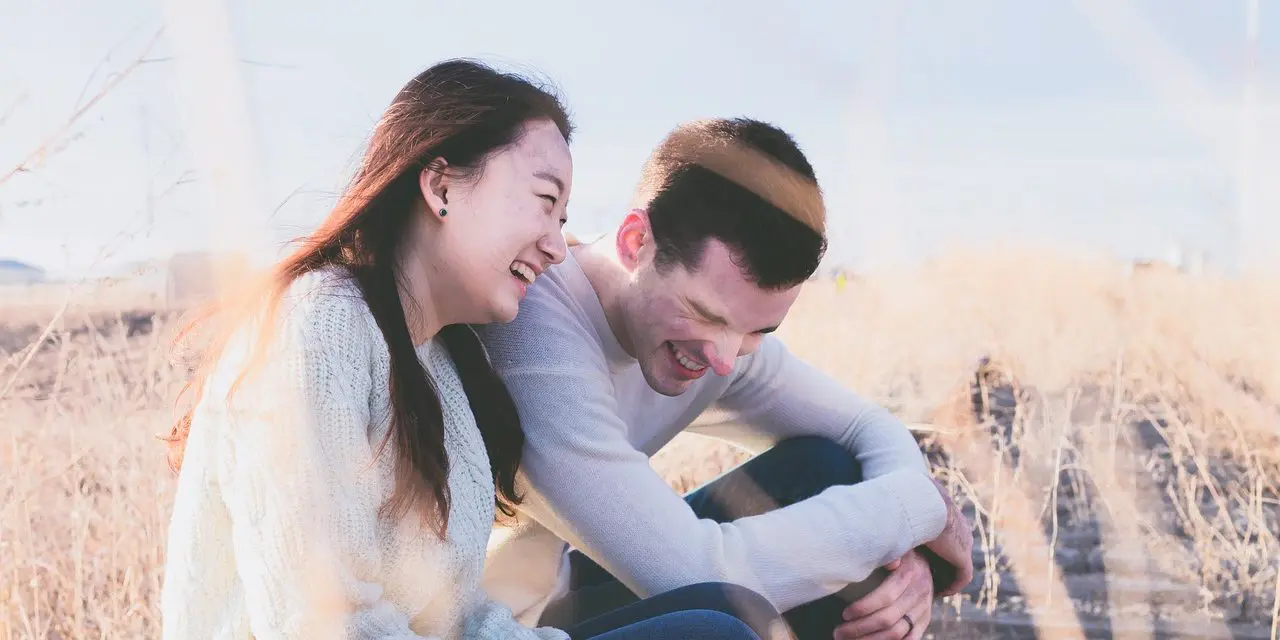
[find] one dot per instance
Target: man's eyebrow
(712, 317)
(550, 177)
(705, 313)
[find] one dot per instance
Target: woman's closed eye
(552, 199)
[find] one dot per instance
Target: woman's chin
(504, 313)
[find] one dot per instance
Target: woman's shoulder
(320, 312)
(328, 297)
(327, 286)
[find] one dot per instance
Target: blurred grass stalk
(218, 127)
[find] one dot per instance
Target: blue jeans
(715, 611)
(791, 471)
(698, 624)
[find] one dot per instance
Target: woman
(340, 469)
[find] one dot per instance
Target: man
(625, 344)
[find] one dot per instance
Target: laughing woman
(348, 443)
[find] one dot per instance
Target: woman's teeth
(523, 271)
(684, 360)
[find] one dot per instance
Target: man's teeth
(523, 271)
(685, 361)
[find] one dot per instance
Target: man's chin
(665, 385)
(671, 392)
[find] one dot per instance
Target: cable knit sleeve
(490, 620)
(298, 479)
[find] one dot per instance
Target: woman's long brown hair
(461, 111)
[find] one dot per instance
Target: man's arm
(776, 395)
(597, 492)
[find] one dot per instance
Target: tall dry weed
(1146, 405)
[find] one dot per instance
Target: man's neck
(610, 281)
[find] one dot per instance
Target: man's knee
(721, 595)
(822, 459)
(793, 470)
(708, 625)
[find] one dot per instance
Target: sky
(1080, 125)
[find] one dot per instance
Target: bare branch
(34, 348)
(8, 113)
(270, 65)
(51, 142)
(106, 59)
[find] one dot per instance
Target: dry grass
(86, 492)
(1146, 405)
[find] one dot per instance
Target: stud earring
(443, 213)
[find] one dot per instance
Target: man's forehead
(724, 267)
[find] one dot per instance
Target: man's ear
(634, 239)
(433, 182)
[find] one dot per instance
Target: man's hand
(951, 551)
(900, 607)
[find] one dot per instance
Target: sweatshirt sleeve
(297, 477)
(596, 491)
(775, 394)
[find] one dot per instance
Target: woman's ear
(433, 181)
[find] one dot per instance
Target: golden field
(1133, 473)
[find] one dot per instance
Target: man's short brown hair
(740, 181)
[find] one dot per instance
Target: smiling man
(625, 344)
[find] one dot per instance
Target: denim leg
(684, 625)
(747, 609)
(791, 471)
(584, 602)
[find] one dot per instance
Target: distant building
(1150, 266)
(14, 272)
(1179, 260)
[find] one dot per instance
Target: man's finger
(895, 631)
(920, 616)
(880, 597)
(964, 575)
(894, 564)
(882, 621)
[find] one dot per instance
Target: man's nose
(722, 353)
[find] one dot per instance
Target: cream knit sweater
(276, 531)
